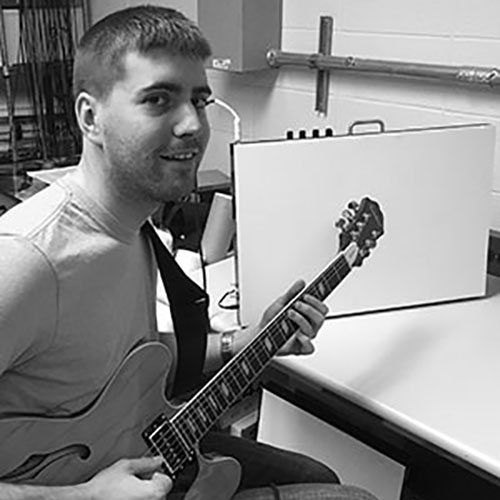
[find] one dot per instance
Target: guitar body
(69, 450)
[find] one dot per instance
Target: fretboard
(201, 412)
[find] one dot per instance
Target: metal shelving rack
(45, 135)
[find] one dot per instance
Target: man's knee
(318, 472)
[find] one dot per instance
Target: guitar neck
(199, 414)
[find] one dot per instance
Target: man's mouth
(180, 155)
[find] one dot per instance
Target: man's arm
(28, 294)
(135, 479)
(308, 314)
(28, 302)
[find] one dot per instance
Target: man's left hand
(308, 314)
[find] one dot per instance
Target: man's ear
(88, 118)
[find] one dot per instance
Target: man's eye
(202, 102)
(157, 100)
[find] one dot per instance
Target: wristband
(226, 345)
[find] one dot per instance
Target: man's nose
(188, 121)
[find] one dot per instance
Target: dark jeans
(291, 475)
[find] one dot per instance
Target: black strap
(189, 309)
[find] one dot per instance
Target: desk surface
(432, 370)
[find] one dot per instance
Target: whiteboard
(433, 186)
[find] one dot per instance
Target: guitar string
(209, 404)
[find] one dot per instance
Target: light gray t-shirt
(77, 293)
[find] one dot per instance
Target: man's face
(155, 128)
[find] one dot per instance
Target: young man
(78, 274)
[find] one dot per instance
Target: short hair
(99, 57)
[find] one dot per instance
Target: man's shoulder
(26, 219)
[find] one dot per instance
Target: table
(418, 384)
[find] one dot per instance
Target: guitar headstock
(363, 224)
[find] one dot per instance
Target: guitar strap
(189, 310)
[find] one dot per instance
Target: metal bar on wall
(475, 75)
(323, 76)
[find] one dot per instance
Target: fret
(192, 429)
(240, 375)
(212, 402)
(260, 351)
(285, 327)
(219, 396)
(278, 335)
(202, 411)
(236, 382)
(200, 417)
(246, 368)
(210, 413)
(229, 393)
(198, 424)
(220, 404)
(208, 400)
(286, 330)
(197, 418)
(269, 345)
(254, 361)
(225, 390)
(235, 388)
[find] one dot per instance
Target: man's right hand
(130, 479)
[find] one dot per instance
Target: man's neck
(91, 177)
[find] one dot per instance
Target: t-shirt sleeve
(28, 302)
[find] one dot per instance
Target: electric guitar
(131, 417)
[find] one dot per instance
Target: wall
(100, 8)
(459, 32)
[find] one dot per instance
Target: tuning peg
(364, 252)
(376, 234)
(340, 223)
(353, 205)
(370, 243)
(360, 225)
(347, 214)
